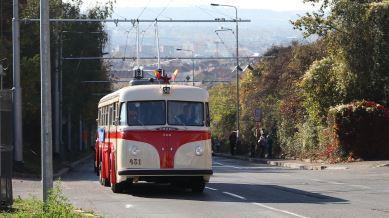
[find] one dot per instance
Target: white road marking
(213, 189)
(336, 183)
(234, 195)
(218, 163)
(360, 186)
(235, 167)
(128, 206)
(342, 183)
(278, 210)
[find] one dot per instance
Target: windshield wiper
(180, 122)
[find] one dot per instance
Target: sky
(275, 5)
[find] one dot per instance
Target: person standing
(232, 140)
(262, 142)
(269, 140)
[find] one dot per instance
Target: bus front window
(185, 113)
(146, 113)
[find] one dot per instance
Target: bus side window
(98, 115)
(114, 114)
(123, 114)
(207, 115)
(105, 116)
(110, 116)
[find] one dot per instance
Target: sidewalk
(58, 173)
(306, 165)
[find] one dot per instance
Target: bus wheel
(103, 181)
(197, 186)
(117, 187)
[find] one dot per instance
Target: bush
(358, 130)
(57, 206)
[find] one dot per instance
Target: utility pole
(57, 139)
(237, 67)
(157, 43)
(46, 119)
(137, 45)
(17, 106)
(1, 76)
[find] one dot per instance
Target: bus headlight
(134, 150)
(199, 150)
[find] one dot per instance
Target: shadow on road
(251, 193)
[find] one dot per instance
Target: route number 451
(135, 162)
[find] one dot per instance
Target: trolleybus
(154, 133)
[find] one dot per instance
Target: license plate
(135, 162)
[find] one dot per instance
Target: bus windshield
(185, 113)
(146, 113)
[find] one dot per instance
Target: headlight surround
(134, 150)
(199, 150)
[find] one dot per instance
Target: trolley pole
(46, 119)
(17, 105)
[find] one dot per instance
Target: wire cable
(141, 13)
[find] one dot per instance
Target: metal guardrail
(6, 148)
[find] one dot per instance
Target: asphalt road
(237, 189)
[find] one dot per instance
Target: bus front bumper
(164, 172)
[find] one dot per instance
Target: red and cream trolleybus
(154, 133)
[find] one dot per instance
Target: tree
(357, 38)
(76, 39)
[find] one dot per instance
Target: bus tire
(103, 181)
(197, 186)
(117, 187)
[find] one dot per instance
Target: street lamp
(237, 66)
(193, 66)
(223, 29)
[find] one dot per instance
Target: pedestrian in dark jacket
(262, 142)
(269, 146)
(232, 140)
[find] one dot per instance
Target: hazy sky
(277, 5)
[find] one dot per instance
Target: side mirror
(208, 121)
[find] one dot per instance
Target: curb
(275, 162)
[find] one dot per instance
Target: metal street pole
(17, 106)
(46, 119)
(1, 77)
(193, 70)
(157, 43)
(57, 143)
(237, 67)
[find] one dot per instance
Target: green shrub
(358, 130)
(57, 206)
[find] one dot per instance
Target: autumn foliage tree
(298, 86)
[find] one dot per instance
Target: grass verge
(57, 206)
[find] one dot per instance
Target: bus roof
(155, 92)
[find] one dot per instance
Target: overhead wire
(143, 32)
(141, 13)
(128, 33)
(215, 9)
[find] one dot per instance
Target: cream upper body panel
(155, 92)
